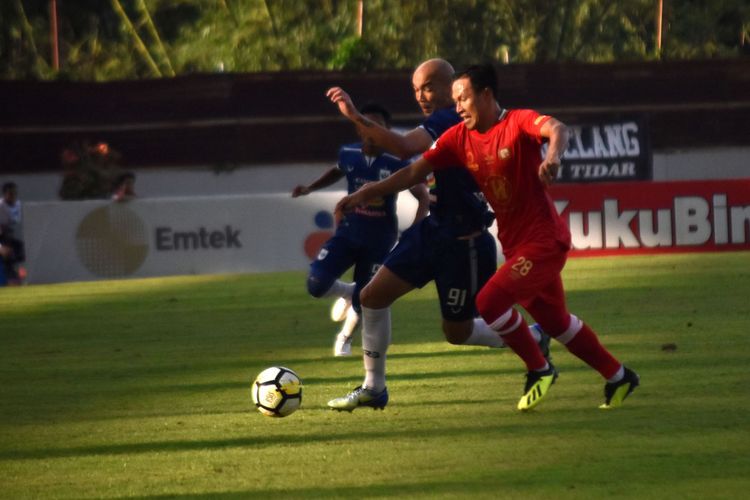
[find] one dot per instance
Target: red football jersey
(504, 161)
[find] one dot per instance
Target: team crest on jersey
(499, 188)
(383, 173)
(503, 153)
(323, 253)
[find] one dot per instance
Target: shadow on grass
(136, 367)
(244, 442)
(384, 490)
(339, 379)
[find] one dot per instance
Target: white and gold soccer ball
(277, 391)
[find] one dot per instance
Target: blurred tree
(102, 40)
(705, 28)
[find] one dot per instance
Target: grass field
(140, 388)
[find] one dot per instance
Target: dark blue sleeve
(341, 160)
(440, 121)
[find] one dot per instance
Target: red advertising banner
(656, 217)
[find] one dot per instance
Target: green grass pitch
(140, 389)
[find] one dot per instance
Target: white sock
(340, 289)
(534, 329)
(482, 334)
(376, 335)
(350, 323)
(617, 376)
(545, 367)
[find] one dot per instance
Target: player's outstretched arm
(558, 135)
(404, 146)
(403, 179)
(329, 177)
(339, 97)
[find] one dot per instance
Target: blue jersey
(361, 169)
(457, 204)
(367, 234)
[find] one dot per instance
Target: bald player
(451, 246)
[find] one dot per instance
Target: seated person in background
(124, 188)
(12, 250)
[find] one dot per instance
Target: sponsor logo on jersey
(499, 188)
(431, 182)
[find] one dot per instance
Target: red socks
(585, 345)
(519, 339)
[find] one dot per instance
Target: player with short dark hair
(501, 150)
(365, 236)
(451, 246)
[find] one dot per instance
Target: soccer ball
(277, 391)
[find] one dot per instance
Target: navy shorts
(459, 267)
(362, 245)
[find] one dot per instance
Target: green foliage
(354, 53)
(706, 28)
(101, 40)
(140, 389)
(89, 172)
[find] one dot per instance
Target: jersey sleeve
(444, 152)
(340, 161)
(430, 130)
(438, 122)
(531, 122)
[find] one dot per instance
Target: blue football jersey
(361, 169)
(457, 203)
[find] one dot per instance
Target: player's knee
(483, 302)
(366, 298)
(371, 299)
(555, 321)
(457, 333)
(492, 302)
(316, 286)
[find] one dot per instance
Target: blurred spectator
(11, 246)
(124, 187)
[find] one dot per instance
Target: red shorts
(530, 277)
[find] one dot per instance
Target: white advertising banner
(89, 240)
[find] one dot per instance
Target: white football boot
(340, 308)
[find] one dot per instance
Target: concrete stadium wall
(718, 163)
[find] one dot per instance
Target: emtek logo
(111, 241)
(168, 239)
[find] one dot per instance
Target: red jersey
(504, 161)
